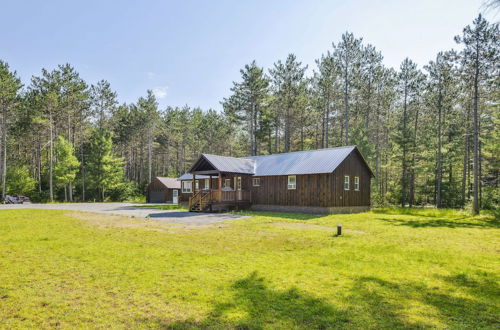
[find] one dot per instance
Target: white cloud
(160, 92)
(151, 75)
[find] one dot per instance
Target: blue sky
(189, 52)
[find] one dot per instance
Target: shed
(163, 190)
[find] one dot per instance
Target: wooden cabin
(163, 190)
(334, 180)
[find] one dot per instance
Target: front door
(237, 187)
(175, 196)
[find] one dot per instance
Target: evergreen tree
(105, 167)
(248, 103)
(10, 85)
(289, 88)
(481, 56)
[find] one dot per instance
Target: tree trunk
(404, 165)
(412, 171)
(439, 169)
(466, 154)
(476, 138)
(150, 154)
(4, 152)
(51, 159)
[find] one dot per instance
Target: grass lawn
(392, 269)
(164, 206)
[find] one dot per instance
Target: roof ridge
(299, 151)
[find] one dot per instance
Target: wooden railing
(232, 195)
(202, 198)
(195, 199)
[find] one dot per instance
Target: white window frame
(197, 185)
(347, 182)
(292, 186)
(185, 189)
(237, 183)
(256, 182)
(207, 184)
(356, 183)
(227, 183)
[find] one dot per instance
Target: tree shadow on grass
(385, 301)
(257, 306)
(463, 222)
(372, 303)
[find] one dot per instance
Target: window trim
(254, 181)
(348, 182)
(206, 184)
(292, 186)
(227, 183)
(187, 191)
(197, 185)
(356, 183)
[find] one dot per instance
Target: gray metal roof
(301, 162)
(189, 176)
(169, 182)
(231, 164)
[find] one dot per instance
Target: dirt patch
(104, 221)
(308, 226)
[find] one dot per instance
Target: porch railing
(230, 195)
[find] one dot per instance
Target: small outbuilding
(163, 190)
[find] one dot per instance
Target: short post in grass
(339, 230)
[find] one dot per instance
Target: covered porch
(227, 187)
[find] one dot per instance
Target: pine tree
(104, 168)
(481, 56)
(347, 57)
(248, 103)
(10, 85)
(289, 87)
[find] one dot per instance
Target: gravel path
(133, 210)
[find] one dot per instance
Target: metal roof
(231, 164)
(171, 183)
(301, 162)
(189, 176)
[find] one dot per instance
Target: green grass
(164, 206)
(391, 269)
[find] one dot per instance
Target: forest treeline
(431, 134)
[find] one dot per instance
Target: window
(256, 182)
(197, 185)
(356, 183)
(227, 183)
(346, 182)
(207, 184)
(237, 182)
(292, 182)
(186, 187)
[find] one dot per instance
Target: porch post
(210, 186)
(219, 187)
(193, 184)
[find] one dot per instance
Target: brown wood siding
(156, 185)
(322, 190)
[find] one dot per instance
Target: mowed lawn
(392, 269)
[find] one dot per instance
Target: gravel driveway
(133, 210)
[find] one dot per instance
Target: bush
(126, 190)
(19, 181)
